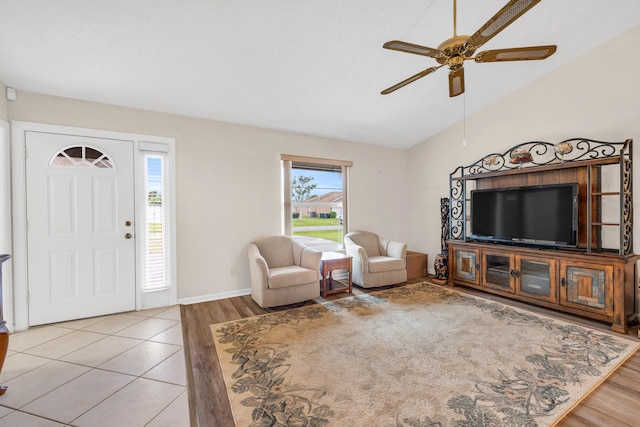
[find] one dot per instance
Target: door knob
(128, 236)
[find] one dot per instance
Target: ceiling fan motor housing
(453, 49)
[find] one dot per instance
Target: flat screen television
(545, 215)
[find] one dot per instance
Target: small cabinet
(533, 277)
(587, 286)
(465, 265)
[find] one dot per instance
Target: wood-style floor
(615, 403)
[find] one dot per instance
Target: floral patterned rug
(419, 355)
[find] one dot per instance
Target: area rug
(419, 355)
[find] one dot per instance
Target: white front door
(80, 213)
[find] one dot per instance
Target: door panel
(498, 271)
(465, 263)
(63, 275)
(79, 262)
(587, 286)
(104, 205)
(62, 205)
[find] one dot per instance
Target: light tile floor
(121, 370)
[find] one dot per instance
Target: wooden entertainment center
(598, 278)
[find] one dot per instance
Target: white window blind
(156, 223)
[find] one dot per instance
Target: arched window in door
(81, 156)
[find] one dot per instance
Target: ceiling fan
(454, 51)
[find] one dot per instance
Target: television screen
(542, 215)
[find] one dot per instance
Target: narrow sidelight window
(155, 241)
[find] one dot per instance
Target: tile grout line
(97, 368)
(167, 406)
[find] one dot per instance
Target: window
(155, 239)
(81, 156)
(315, 200)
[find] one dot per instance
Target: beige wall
(224, 171)
(4, 114)
(595, 96)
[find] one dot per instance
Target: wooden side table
(334, 261)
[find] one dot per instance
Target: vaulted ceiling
(306, 66)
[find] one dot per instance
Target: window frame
(287, 161)
(161, 296)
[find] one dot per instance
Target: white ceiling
(308, 66)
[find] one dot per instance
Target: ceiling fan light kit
(454, 51)
(456, 82)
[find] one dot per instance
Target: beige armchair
(283, 271)
(376, 261)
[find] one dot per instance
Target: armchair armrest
(259, 268)
(360, 257)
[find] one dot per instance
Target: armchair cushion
(379, 264)
(282, 277)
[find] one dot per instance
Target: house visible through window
(315, 201)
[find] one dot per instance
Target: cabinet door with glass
(587, 286)
(465, 265)
(498, 271)
(536, 278)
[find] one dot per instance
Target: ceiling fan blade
(505, 16)
(409, 80)
(516, 54)
(456, 82)
(413, 48)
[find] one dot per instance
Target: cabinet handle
(563, 281)
(477, 266)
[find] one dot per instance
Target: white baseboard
(214, 297)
